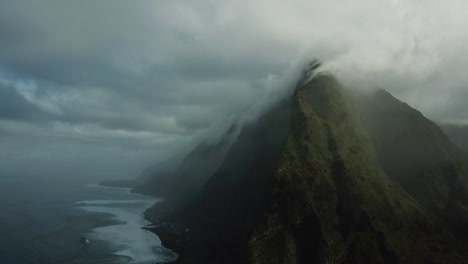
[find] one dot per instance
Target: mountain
(333, 203)
(458, 134)
(416, 153)
(155, 179)
(327, 176)
(182, 177)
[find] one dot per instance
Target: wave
(108, 202)
(126, 236)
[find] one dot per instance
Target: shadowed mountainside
(181, 178)
(416, 153)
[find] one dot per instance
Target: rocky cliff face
(312, 182)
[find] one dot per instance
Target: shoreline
(172, 237)
(125, 220)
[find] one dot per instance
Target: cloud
(170, 70)
(14, 106)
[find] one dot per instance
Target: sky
(102, 89)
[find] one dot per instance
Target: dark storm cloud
(145, 66)
(14, 106)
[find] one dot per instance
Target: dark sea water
(41, 221)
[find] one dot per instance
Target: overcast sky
(101, 89)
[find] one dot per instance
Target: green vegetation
(415, 153)
(331, 202)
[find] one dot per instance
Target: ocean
(43, 220)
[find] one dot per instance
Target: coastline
(124, 235)
(172, 236)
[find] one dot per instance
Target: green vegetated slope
(329, 177)
(416, 154)
(332, 203)
(222, 217)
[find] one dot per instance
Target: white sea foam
(148, 202)
(127, 238)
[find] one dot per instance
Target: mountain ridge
(308, 182)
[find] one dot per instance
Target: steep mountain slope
(227, 210)
(416, 153)
(232, 195)
(304, 185)
(181, 177)
(331, 202)
(155, 179)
